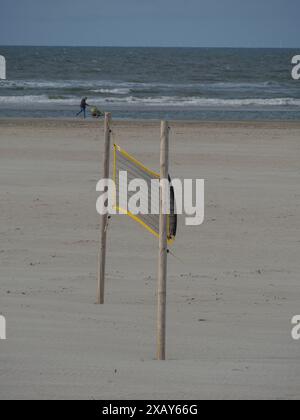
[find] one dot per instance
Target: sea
(151, 83)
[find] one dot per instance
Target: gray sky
(196, 23)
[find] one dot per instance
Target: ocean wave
(36, 99)
(123, 87)
(172, 101)
(115, 91)
(205, 102)
(64, 84)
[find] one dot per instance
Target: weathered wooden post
(104, 217)
(163, 244)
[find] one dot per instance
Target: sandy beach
(232, 291)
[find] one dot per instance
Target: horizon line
(145, 46)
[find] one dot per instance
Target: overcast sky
(196, 23)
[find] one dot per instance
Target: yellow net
(124, 162)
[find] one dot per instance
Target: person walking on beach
(83, 105)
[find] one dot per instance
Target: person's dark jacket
(83, 103)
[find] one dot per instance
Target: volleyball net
(135, 170)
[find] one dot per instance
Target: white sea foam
(206, 102)
(164, 101)
(66, 84)
(115, 91)
(36, 99)
(111, 86)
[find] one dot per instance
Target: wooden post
(104, 218)
(162, 265)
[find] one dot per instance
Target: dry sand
(230, 299)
